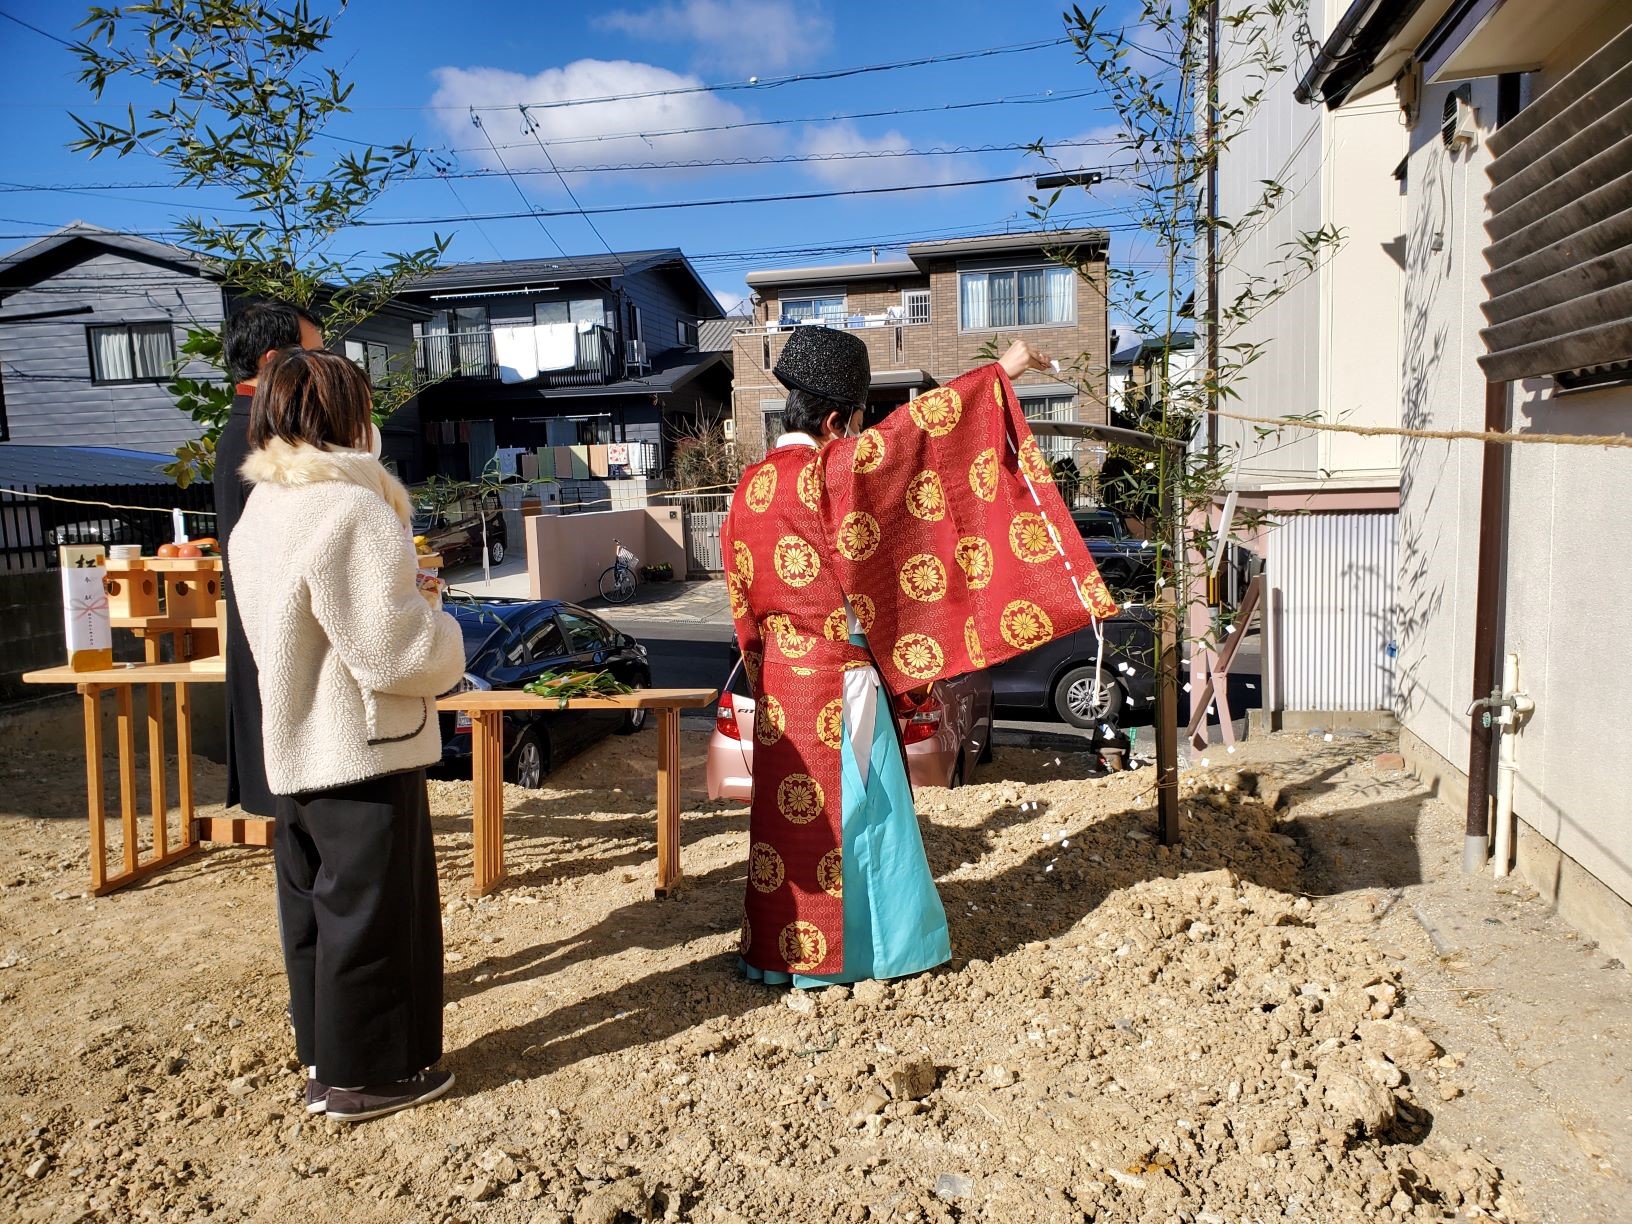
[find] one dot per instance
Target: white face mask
(376, 444)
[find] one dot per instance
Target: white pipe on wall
(1515, 708)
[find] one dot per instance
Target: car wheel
(495, 552)
(531, 764)
(1078, 702)
(985, 757)
(956, 780)
(633, 721)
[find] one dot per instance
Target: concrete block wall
(566, 553)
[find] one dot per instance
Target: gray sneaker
(377, 1100)
(317, 1096)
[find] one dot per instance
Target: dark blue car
(509, 642)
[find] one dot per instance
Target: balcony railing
(469, 354)
(890, 347)
(848, 323)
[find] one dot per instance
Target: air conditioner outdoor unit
(637, 354)
(729, 426)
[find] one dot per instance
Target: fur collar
(290, 464)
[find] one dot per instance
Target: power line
(1044, 98)
(480, 229)
(477, 121)
(757, 83)
(42, 33)
(779, 159)
(609, 209)
(571, 195)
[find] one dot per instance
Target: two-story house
(561, 363)
(91, 325)
(930, 316)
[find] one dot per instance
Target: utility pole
(1212, 233)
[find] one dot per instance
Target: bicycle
(618, 579)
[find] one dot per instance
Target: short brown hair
(312, 396)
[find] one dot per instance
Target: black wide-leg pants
(360, 915)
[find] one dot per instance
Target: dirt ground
(1253, 1027)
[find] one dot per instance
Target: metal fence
(1331, 611)
(35, 520)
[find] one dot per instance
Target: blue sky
(419, 66)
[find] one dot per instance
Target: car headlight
(468, 684)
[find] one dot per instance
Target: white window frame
(1049, 270)
(908, 297)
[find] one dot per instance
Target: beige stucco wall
(1331, 343)
(1567, 607)
(567, 552)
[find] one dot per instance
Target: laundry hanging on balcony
(557, 345)
(515, 352)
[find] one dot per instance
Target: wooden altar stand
(487, 768)
(486, 710)
(123, 681)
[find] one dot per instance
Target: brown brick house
(926, 318)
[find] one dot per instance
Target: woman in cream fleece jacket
(351, 659)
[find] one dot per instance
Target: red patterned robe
(942, 531)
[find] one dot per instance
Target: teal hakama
(893, 921)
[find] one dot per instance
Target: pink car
(946, 735)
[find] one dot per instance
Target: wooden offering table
(123, 681)
(486, 710)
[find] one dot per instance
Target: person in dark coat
(252, 334)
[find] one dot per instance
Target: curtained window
(132, 352)
(1017, 297)
(770, 411)
(1051, 408)
(829, 309)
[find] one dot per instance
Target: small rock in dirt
(871, 992)
(949, 1186)
(37, 1167)
(479, 1191)
(1406, 1045)
(1356, 1105)
(1271, 1139)
(836, 994)
(998, 1076)
(799, 1001)
(1388, 762)
(612, 1204)
(499, 1163)
(530, 1187)
(871, 1104)
(911, 1079)
(1449, 1092)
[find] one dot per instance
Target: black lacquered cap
(827, 362)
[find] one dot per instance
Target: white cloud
(460, 88)
(857, 172)
(730, 299)
(760, 37)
